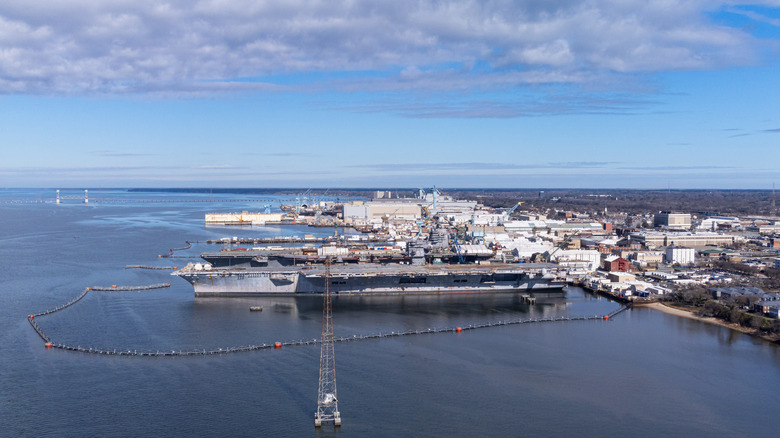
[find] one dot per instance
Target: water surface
(644, 373)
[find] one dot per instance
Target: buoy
(114, 286)
(606, 317)
(31, 316)
(89, 288)
(277, 345)
(47, 345)
(174, 268)
(458, 330)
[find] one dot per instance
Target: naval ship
(434, 266)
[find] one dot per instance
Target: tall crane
(509, 212)
(454, 238)
(547, 256)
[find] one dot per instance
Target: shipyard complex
(434, 243)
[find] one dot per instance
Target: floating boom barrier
(115, 288)
(303, 342)
(173, 250)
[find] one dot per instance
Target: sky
(681, 94)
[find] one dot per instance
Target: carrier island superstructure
(431, 266)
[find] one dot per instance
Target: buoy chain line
(171, 255)
(159, 268)
(276, 345)
(130, 288)
(619, 310)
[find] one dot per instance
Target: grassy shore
(687, 313)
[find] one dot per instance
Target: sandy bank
(690, 315)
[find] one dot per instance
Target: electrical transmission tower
(327, 403)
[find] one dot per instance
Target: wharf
(605, 293)
(292, 239)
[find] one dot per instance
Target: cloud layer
(203, 46)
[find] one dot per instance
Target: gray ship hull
(368, 280)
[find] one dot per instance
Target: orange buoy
(114, 286)
(31, 316)
(89, 288)
(277, 345)
(174, 268)
(47, 345)
(606, 317)
(458, 330)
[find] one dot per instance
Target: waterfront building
(768, 308)
(584, 259)
(616, 264)
(736, 291)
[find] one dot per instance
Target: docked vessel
(385, 270)
(357, 279)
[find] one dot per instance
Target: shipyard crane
(509, 212)
(457, 247)
(386, 218)
(435, 192)
(547, 256)
(419, 228)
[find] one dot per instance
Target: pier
(605, 293)
(292, 239)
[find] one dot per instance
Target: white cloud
(139, 46)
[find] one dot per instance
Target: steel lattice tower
(327, 402)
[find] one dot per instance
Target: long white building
(683, 256)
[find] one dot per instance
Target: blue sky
(403, 93)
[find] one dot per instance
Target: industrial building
(656, 240)
(582, 259)
(717, 222)
(616, 264)
(670, 220)
(680, 255)
(378, 211)
(552, 226)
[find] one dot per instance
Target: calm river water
(644, 373)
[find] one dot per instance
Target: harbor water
(642, 373)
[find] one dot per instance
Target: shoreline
(709, 320)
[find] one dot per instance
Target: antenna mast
(327, 402)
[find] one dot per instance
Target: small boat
(256, 309)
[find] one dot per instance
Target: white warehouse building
(679, 254)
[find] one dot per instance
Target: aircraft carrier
(417, 268)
